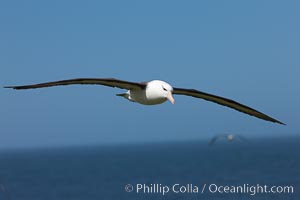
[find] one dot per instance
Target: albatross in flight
(152, 92)
(228, 137)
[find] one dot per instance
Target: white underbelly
(140, 96)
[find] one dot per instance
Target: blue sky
(244, 50)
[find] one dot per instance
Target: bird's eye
(164, 88)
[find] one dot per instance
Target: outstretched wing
(212, 141)
(225, 102)
(111, 82)
(215, 138)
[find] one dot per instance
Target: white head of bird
(230, 137)
(159, 92)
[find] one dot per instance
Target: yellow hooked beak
(170, 98)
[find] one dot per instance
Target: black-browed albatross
(152, 92)
(228, 137)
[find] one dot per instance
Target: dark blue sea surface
(102, 172)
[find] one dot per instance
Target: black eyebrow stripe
(164, 88)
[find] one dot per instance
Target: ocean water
(103, 172)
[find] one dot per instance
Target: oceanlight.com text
(177, 188)
(250, 189)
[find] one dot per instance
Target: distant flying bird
(228, 137)
(152, 92)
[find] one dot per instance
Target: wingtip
(278, 122)
(281, 123)
(11, 87)
(16, 87)
(8, 87)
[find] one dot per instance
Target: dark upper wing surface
(111, 82)
(225, 102)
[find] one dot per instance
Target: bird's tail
(125, 95)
